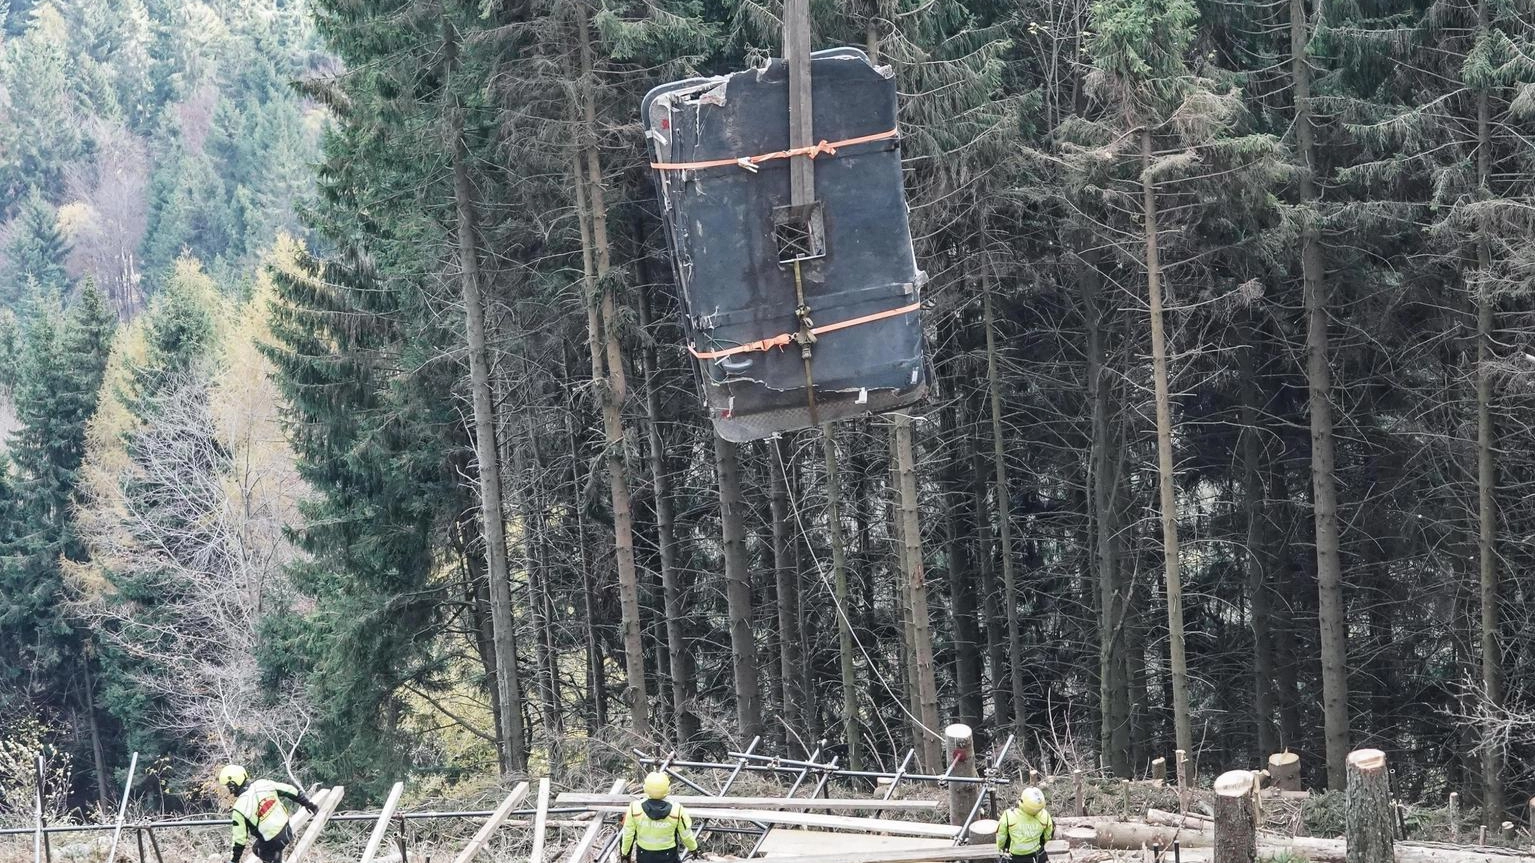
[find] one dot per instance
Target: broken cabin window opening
(799, 231)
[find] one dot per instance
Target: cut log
(489, 827)
(1369, 825)
(382, 826)
(1236, 827)
(326, 809)
(570, 800)
(583, 847)
(1163, 818)
(815, 819)
(983, 831)
(1281, 794)
(962, 795)
(1284, 771)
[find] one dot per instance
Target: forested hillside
(1229, 315)
(152, 154)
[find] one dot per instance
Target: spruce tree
(36, 253)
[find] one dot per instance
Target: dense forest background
(1230, 448)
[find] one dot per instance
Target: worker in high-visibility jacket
(260, 819)
(1023, 830)
(655, 827)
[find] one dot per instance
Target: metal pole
(122, 808)
(762, 837)
(37, 840)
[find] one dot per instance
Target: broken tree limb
(489, 827)
(693, 801)
(540, 822)
(815, 819)
(1369, 826)
(1236, 827)
(1284, 771)
(382, 827)
(326, 809)
(583, 847)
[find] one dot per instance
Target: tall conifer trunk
(1329, 568)
(1182, 729)
(608, 373)
(738, 590)
(1004, 516)
(508, 688)
(1486, 476)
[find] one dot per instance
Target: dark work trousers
(670, 855)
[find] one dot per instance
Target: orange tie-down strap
(786, 339)
(827, 148)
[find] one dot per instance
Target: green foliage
(36, 252)
(1140, 47)
(35, 71)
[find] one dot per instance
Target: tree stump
(1454, 817)
(1159, 770)
(1284, 771)
(962, 795)
(1236, 824)
(1081, 789)
(1370, 830)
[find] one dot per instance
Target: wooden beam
(540, 822)
(382, 827)
(569, 799)
(489, 827)
(916, 855)
(815, 819)
(326, 809)
(589, 838)
(301, 817)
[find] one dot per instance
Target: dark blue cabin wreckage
(781, 302)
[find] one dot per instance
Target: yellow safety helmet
(1032, 800)
(233, 776)
(657, 786)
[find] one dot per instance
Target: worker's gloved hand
(313, 809)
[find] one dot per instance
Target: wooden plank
(815, 819)
(589, 838)
(796, 50)
(788, 842)
(301, 817)
(382, 827)
(327, 808)
(540, 822)
(569, 799)
(490, 826)
(915, 855)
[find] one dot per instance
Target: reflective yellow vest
(259, 808)
(1022, 834)
(653, 834)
